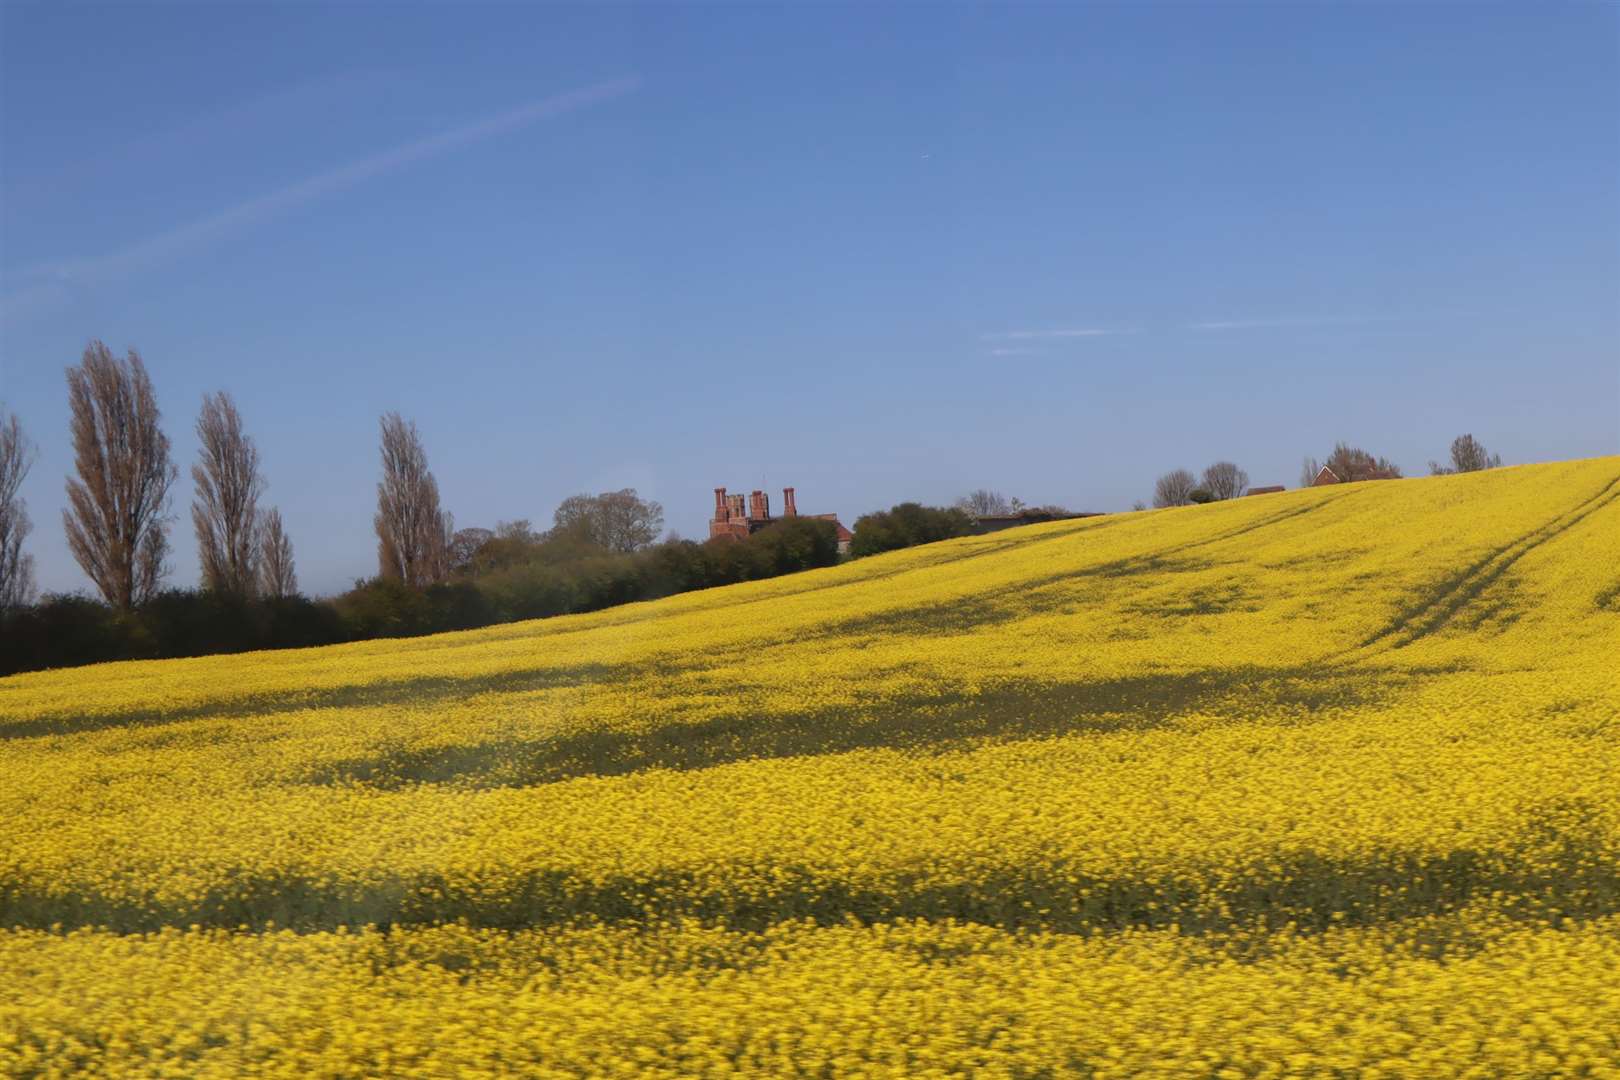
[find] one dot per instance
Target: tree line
(601, 550)
(1224, 480)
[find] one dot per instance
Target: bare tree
(616, 520)
(1174, 489)
(226, 510)
(16, 566)
(1224, 480)
(277, 577)
(1308, 472)
(986, 503)
(626, 521)
(413, 533)
(116, 518)
(1353, 463)
(1467, 455)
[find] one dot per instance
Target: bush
(65, 630)
(907, 525)
(510, 577)
(383, 607)
(792, 544)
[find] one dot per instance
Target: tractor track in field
(1445, 599)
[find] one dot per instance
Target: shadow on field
(1071, 591)
(418, 691)
(1555, 871)
(1037, 595)
(1007, 712)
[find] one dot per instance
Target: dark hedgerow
(518, 581)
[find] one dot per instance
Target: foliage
(16, 565)
(277, 576)
(225, 512)
(984, 502)
(465, 544)
(619, 521)
(66, 630)
(117, 514)
(1309, 469)
(1224, 480)
(1320, 784)
(1468, 454)
(1174, 488)
(907, 525)
(562, 578)
(516, 574)
(413, 531)
(1351, 463)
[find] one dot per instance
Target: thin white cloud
(1049, 335)
(193, 234)
(1013, 352)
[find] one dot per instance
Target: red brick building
(733, 519)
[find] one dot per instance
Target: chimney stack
(789, 507)
(720, 504)
(759, 507)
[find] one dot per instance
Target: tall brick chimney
(720, 504)
(759, 507)
(789, 507)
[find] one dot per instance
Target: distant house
(1325, 476)
(734, 520)
(996, 522)
(1272, 490)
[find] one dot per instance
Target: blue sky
(875, 252)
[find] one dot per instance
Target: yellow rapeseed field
(1322, 783)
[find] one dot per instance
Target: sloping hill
(1004, 803)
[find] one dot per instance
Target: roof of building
(1272, 490)
(844, 535)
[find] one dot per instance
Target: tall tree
(276, 575)
(413, 533)
(1353, 463)
(116, 517)
(1468, 454)
(615, 520)
(1174, 488)
(1308, 471)
(16, 566)
(226, 510)
(1224, 480)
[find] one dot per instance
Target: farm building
(996, 522)
(735, 520)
